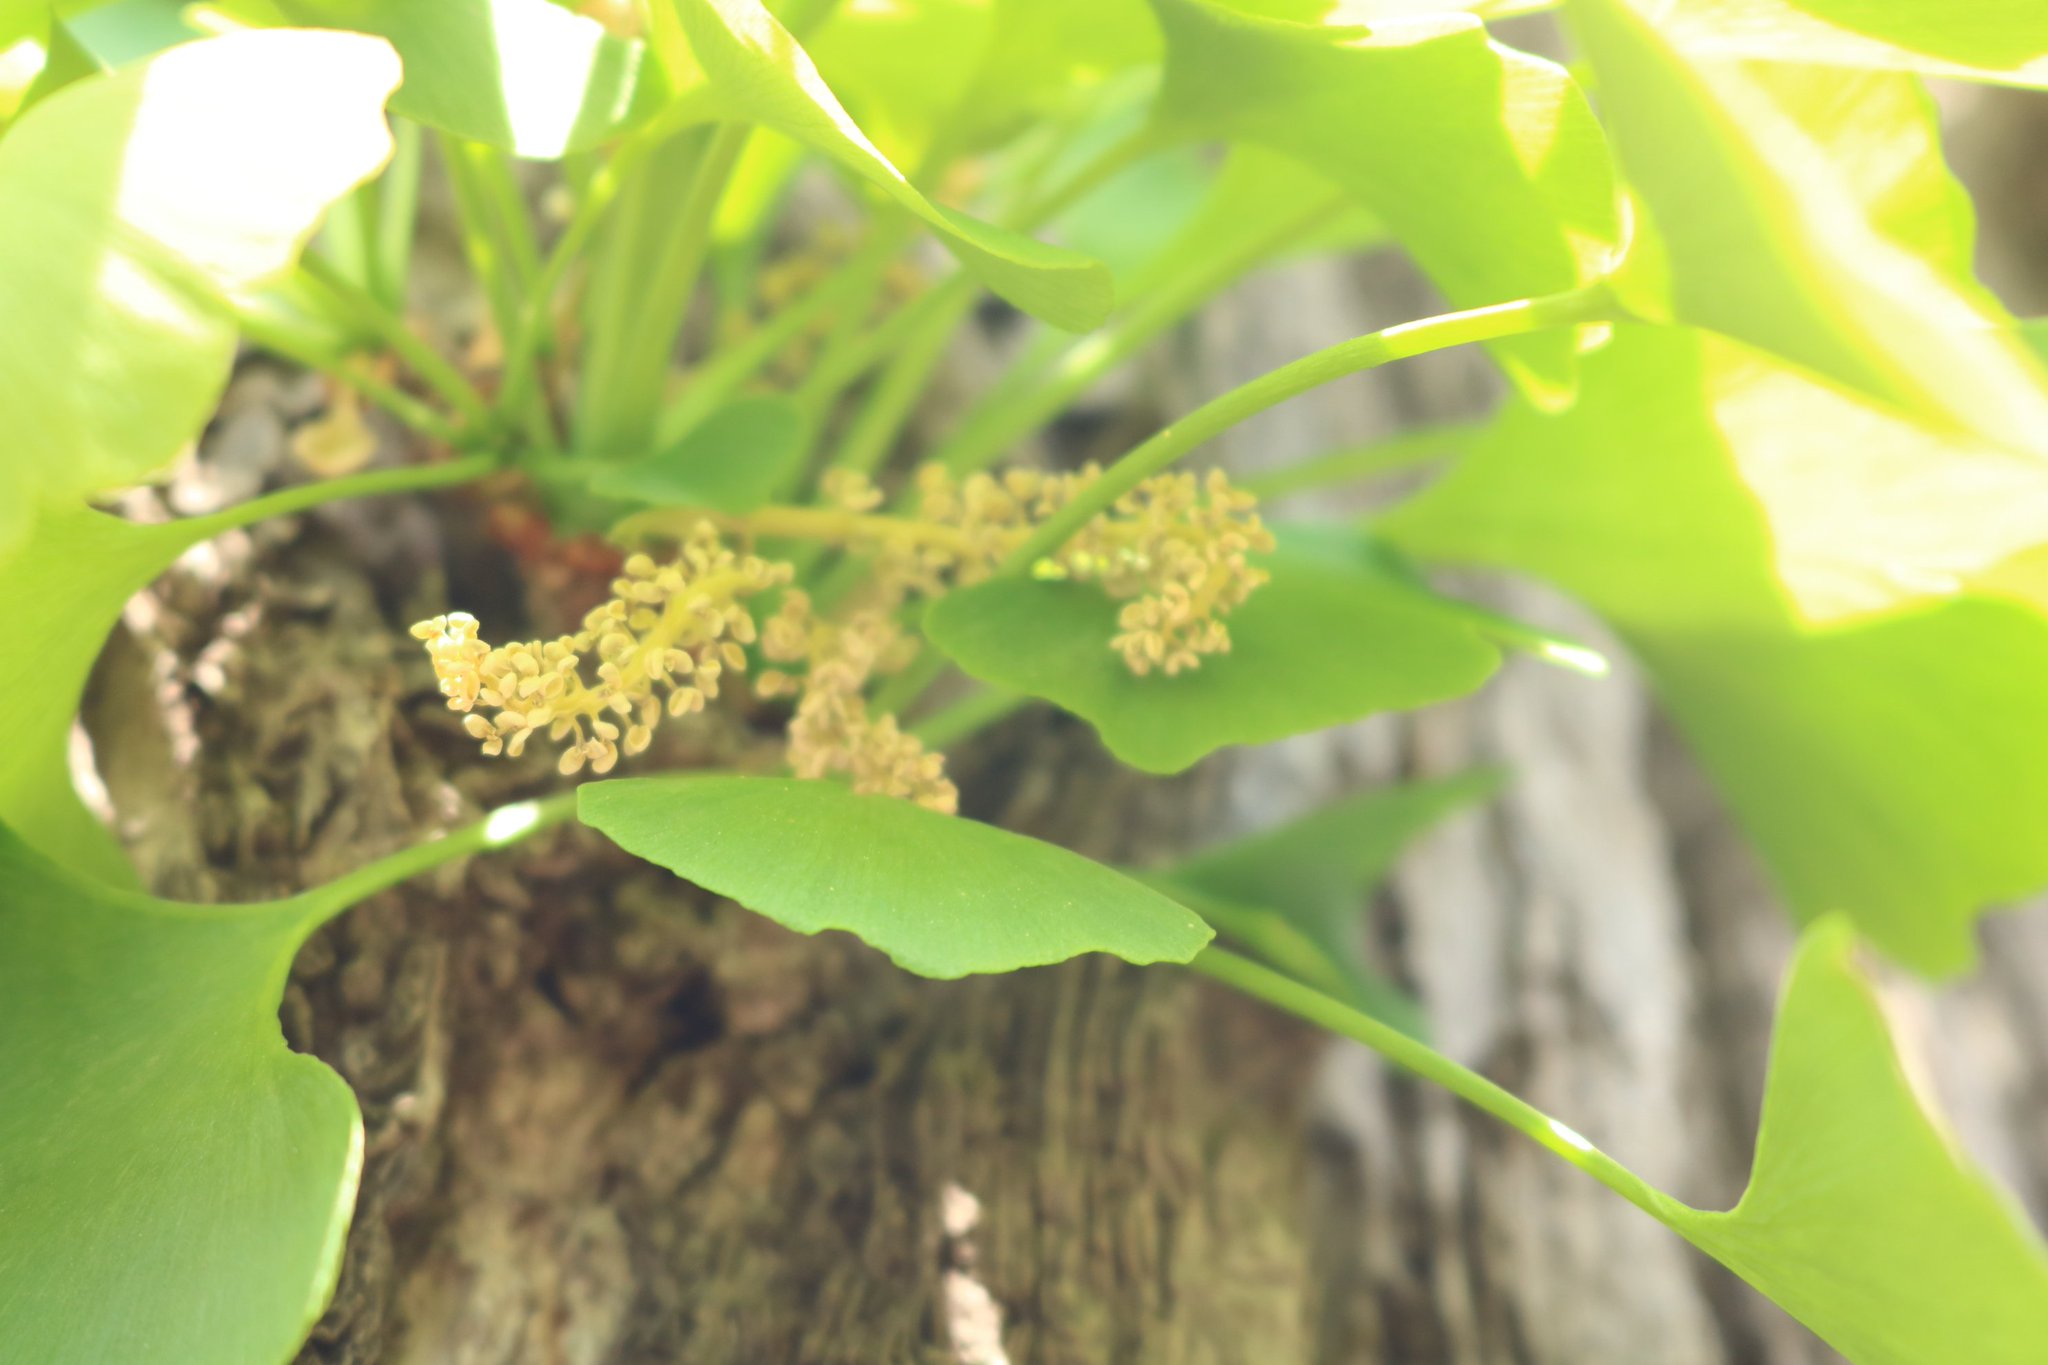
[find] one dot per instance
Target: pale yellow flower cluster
(673, 628)
(1175, 550)
(831, 730)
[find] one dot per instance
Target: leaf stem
(1587, 304)
(969, 716)
(503, 827)
(1304, 1002)
(374, 483)
(362, 309)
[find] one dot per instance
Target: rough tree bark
(609, 1121)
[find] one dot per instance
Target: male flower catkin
(1174, 549)
(671, 628)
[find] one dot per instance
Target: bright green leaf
(733, 461)
(1861, 1218)
(1895, 768)
(942, 895)
(1387, 111)
(176, 1182)
(752, 70)
(524, 76)
(1881, 131)
(60, 595)
(1987, 40)
(136, 201)
(1331, 638)
(1766, 239)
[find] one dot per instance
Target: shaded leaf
(137, 201)
(177, 1183)
(1316, 874)
(525, 76)
(733, 461)
(747, 67)
(941, 895)
(1333, 637)
(1382, 110)
(60, 594)
(1764, 237)
(1895, 768)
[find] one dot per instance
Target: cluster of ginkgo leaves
(1763, 420)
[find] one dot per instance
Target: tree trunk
(612, 1121)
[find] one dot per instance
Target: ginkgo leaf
(1893, 766)
(1382, 109)
(1861, 1219)
(60, 594)
(177, 1183)
(2004, 41)
(1764, 237)
(137, 200)
(942, 895)
(525, 76)
(1332, 637)
(733, 60)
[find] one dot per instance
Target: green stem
(1263, 983)
(398, 202)
(489, 259)
(1019, 405)
(733, 365)
(1204, 424)
(359, 307)
(275, 336)
(374, 483)
(503, 827)
(623, 380)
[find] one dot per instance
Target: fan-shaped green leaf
(1383, 110)
(1896, 767)
(942, 895)
(136, 201)
(1767, 240)
(176, 1183)
(1333, 637)
(1861, 1218)
(733, 60)
(2005, 41)
(525, 76)
(60, 594)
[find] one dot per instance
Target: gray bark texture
(611, 1122)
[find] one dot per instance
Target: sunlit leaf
(1768, 241)
(733, 461)
(733, 60)
(525, 76)
(136, 201)
(1895, 768)
(1333, 637)
(2005, 41)
(1861, 1218)
(942, 895)
(1383, 110)
(176, 1182)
